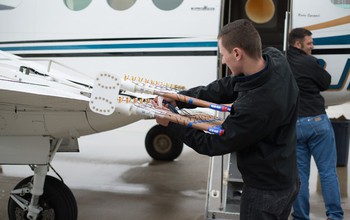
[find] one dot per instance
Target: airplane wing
(26, 83)
(39, 96)
(34, 101)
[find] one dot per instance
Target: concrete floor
(175, 190)
(169, 191)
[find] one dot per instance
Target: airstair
(224, 188)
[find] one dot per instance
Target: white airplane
(44, 101)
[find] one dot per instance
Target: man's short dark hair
(241, 33)
(298, 34)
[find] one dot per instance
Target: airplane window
(260, 11)
(9, 4)
(77, 5)
(167, 5)
(341, 3)
(121, 5)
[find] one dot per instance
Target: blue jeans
(315, 136)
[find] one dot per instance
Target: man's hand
(157, 102)
(162, 121)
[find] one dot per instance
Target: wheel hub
(162, 143)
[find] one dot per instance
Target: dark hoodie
(260, 127)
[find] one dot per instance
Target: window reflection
(121, 5)
(341, 3)
(77, 5)
(9, 4)
(167, 5)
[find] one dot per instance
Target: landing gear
(161, 145)
(56, 203)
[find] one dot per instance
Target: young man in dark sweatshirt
(261, 125)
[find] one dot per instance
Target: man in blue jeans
(315, 136)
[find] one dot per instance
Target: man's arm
(319, 75)
(220, 91)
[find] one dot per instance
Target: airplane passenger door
(268, 16)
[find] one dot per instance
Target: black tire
(57, 201)
(161, 145)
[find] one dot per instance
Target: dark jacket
(260, 127)
(311, 78)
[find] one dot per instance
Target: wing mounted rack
(107, 87)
